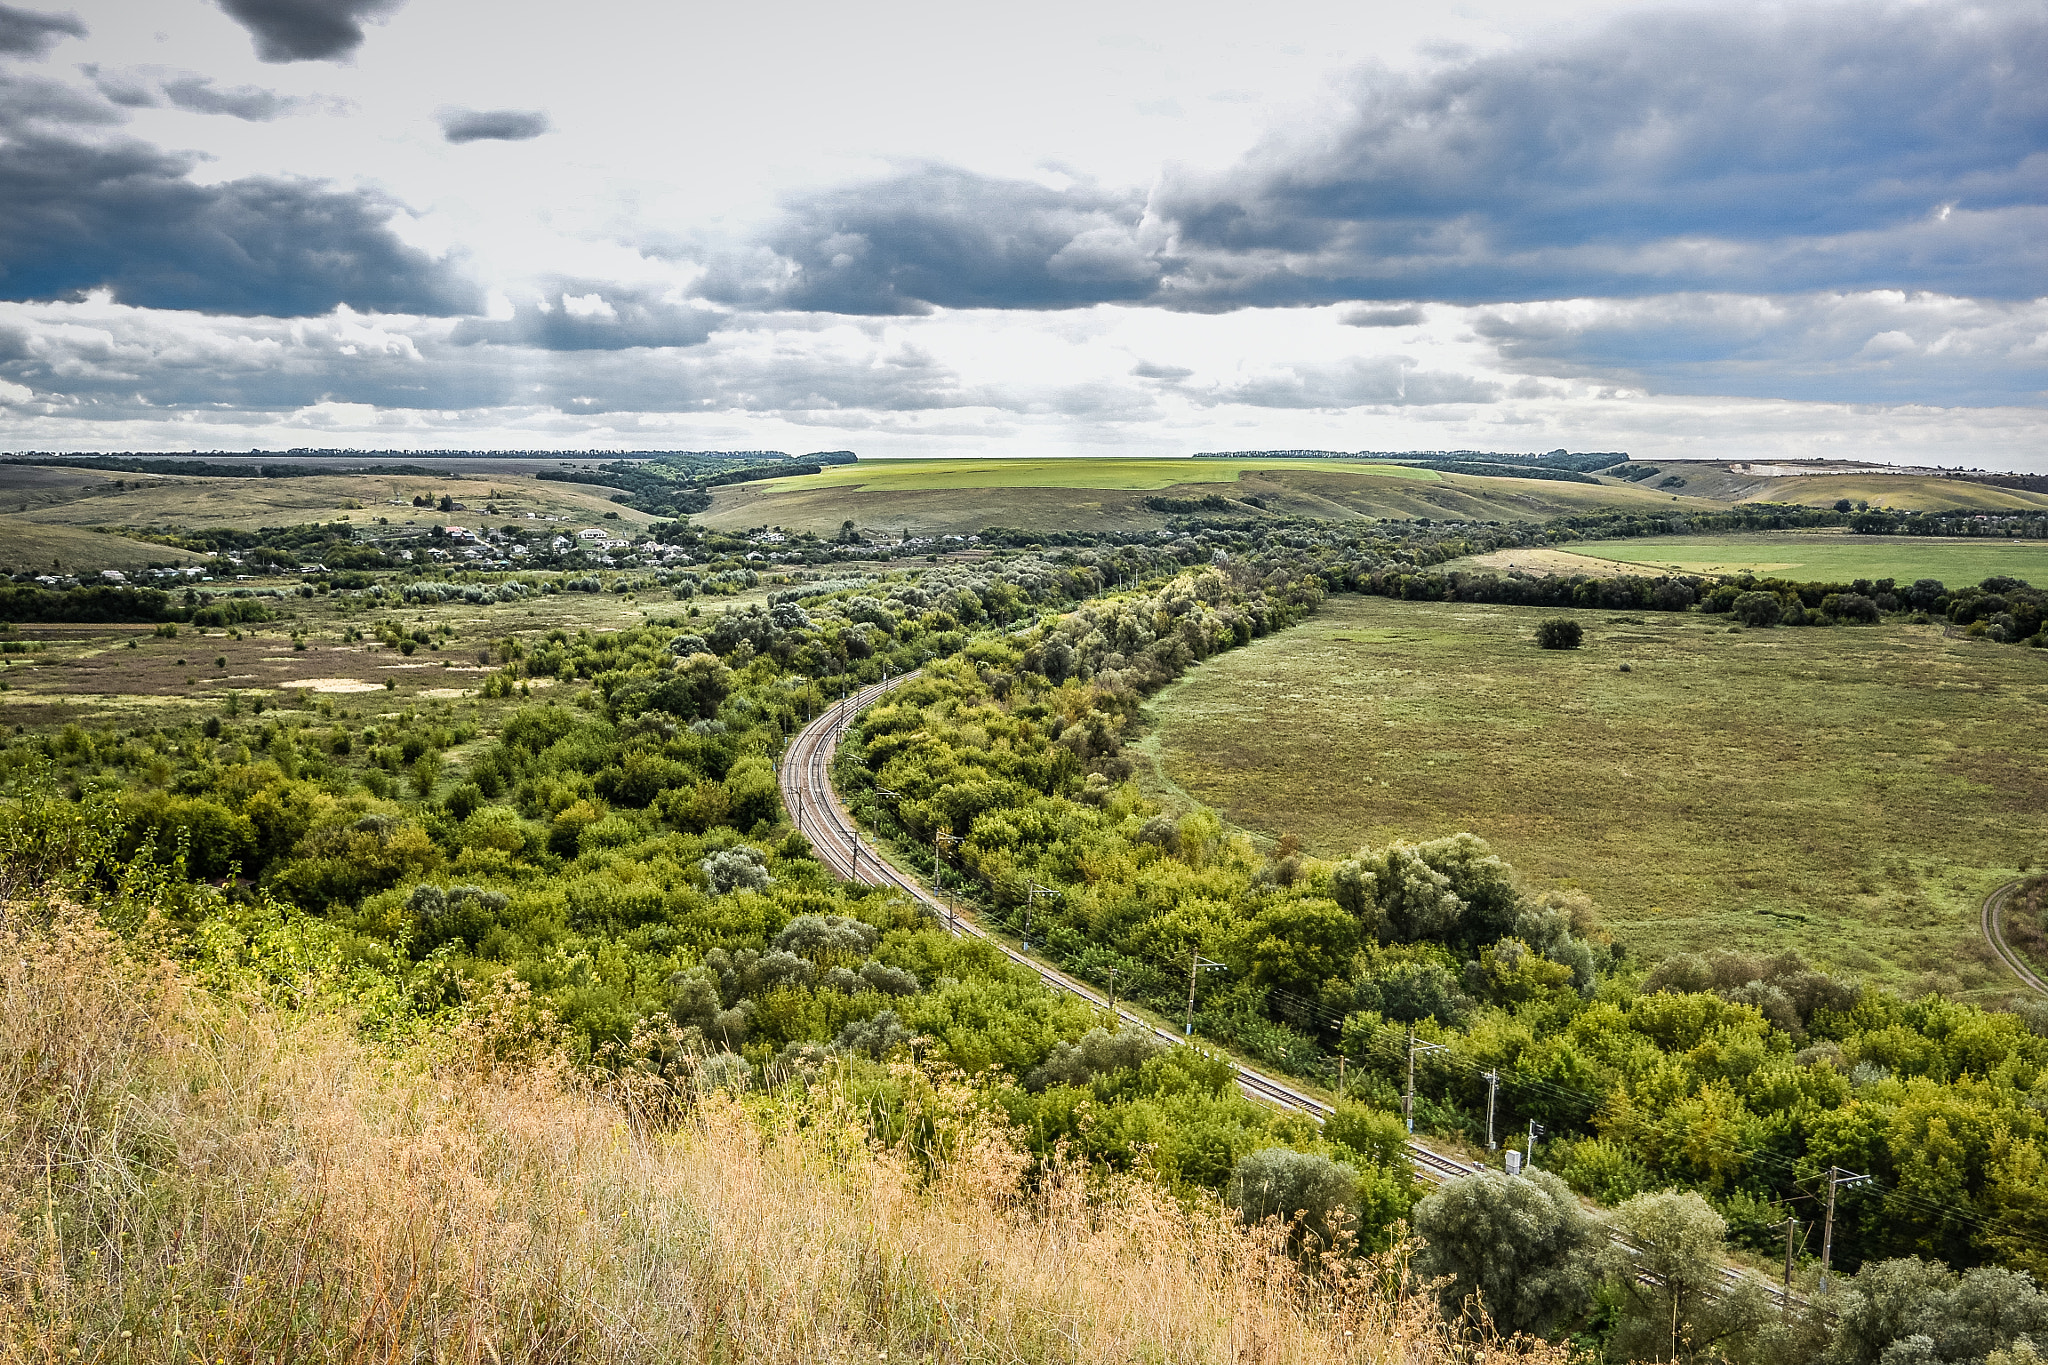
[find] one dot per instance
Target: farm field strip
(1853, 793)
(1830, 557)
(1128, 474)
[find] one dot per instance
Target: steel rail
(805, 777)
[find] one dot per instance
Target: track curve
(805, 779)
(1991, 919)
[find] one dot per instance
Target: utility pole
(856, 856)
(1492, 1087)
(1196, 962)
(1785, 1301)
(940, 840)
(1838, 1179)
(1536, 1130)
(1112, 996)
(1340, 1075)
(1032, 891)
(1408, 1098)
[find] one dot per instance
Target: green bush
(1559, 632)
(1759, 608)
(1518, 1248)
(1316, 1196)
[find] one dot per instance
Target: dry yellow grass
(192, 1178)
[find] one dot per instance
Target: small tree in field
(1560, 632)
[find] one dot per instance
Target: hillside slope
(960, 497)
(199, 1180)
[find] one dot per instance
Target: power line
(1791, 1169)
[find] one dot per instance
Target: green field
(1852, 792)
(1737, 481)
(32, 547)
(917, 475)
(957, 497)
(1835, 558)
(1907, 492)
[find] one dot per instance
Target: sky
(1119, 227)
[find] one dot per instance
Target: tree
(1518, 1250)
(1559, 632)
(1313, 1194)
(1375, 1136)
(1298, 943)
(736, 869)
(1759, 608)
(1920, 1311)
(1677, 1242)
(1453, 889)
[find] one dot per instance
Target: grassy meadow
(1907, 492)
(956, 497)
(33, 547)
(905, 476)
(1732, 481)
(216, 1178)
(1851, 792)
(1836, 557)
(1809, 556)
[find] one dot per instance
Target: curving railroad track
(1992, 917)
(805, 777)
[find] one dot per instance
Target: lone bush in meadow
(1759, 608)
(1560, 632)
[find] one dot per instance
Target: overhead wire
(1793, 1169)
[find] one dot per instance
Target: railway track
(805, 777)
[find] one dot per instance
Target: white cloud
(1012, 227)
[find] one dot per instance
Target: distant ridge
(88, 458)
(1564, 459)
(1564, 465)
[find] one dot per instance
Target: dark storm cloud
(29, 33)
(492, 125)
(124, 215)
(941, 236)
(305, 30)
(1852, 147)
(33, 101)
(1669, 151)
(588, 316)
